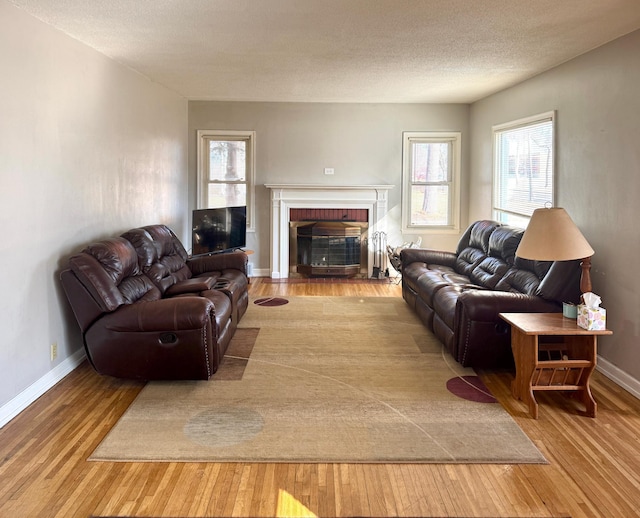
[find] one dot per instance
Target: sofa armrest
(424, 255)
(191, 285)
(84, 306)
(485, 305)
(164, 315)
(562, 282)
(482, 338)
(218, 262)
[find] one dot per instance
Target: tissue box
(593, 319)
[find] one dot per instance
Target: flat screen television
(219, 230)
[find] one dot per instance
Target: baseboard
(618, 376)
(261, 272)
(37, 389)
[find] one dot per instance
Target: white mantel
(301, 196)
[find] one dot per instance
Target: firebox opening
(329, 248)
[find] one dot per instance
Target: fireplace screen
(327, 248)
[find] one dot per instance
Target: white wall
(296, 141)
(88, 149)
(598, 172)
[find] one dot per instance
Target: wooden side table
(565, 363)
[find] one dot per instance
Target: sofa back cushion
(144, 247)
(520, 281)
(539, 268)
(166, 242)
(477, 236)
(489, 272)
(503, 243)
(473, 246)
(109, 271)
(161, 255)
(468, 259)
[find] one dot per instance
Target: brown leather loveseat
(147, 310)
(459, 295)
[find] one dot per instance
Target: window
(226, 170)
(431, 185)
(523, 168)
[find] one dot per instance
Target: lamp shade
(553, 236)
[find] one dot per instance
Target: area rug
(324, 379)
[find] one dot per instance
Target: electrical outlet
(54, 351)
(329, 170)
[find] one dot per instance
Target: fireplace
(334, 201)
(329, 247)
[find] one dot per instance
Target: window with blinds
(523, 168)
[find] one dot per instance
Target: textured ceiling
(339, 50)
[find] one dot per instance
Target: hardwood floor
(593, 470)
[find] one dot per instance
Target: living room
(91, 148)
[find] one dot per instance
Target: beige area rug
(328, 379)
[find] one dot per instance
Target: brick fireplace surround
(284, 197)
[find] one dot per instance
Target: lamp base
(585, 277)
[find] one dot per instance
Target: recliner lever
(168, 338)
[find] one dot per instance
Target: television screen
(219, 230)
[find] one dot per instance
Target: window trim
(513, 125)
(455, 138)
(202, 178)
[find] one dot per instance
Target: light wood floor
(593, 470)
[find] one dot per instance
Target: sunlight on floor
(289, 506)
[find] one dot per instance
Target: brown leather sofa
(458, 295)
(147, 310)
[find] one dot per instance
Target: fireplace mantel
(309, 196)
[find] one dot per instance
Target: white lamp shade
(553, 236)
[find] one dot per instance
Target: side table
(564, 363)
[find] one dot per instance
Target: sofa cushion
(110, 272)
(468, 259)
(489, 272)
(171, 254)
(166, 242)
(117, 257)
(504, 242)
(539, 268)
(477, 236)
(144, 247)
(431, 281)
(161, 255)
(519, 281)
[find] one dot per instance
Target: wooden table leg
(585, 347)
(525, 354)
(589, 402)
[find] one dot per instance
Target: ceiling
(423, 51)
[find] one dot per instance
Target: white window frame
(455, 139)
(203, 137)
(500, 212)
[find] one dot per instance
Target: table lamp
(553, 236)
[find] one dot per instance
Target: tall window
(523, 168)
(431, 185)
(226, 170)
